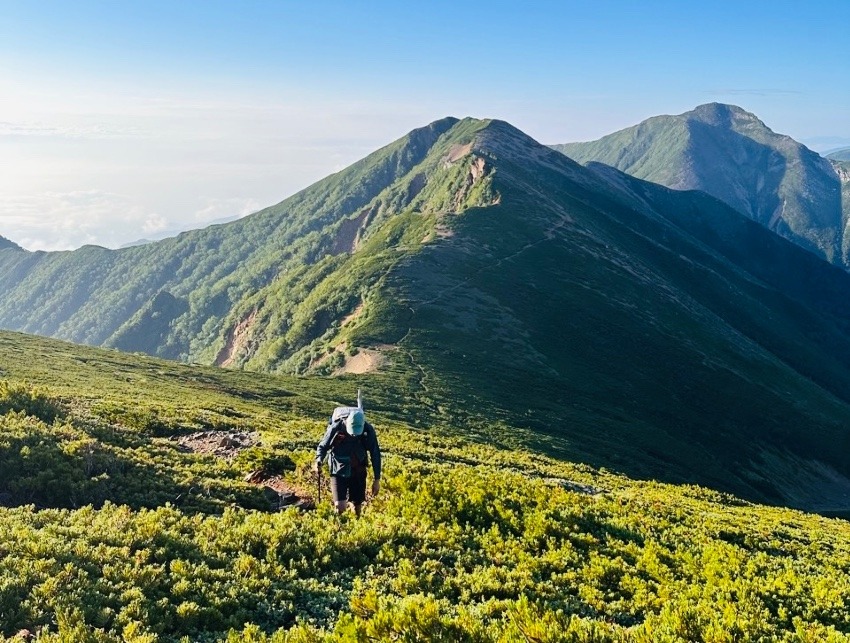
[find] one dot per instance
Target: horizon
(123, 122)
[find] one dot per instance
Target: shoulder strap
(339, 434)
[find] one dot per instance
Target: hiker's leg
(357, 491)
(339, 492)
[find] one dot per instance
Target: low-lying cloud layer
(85, 166)
(64, 221)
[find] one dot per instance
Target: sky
(127, 120)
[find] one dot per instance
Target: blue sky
(122, 120)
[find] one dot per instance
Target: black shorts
(352, 489)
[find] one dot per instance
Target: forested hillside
(110, 531)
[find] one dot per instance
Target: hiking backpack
(342, 412)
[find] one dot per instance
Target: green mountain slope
(95, 296)
(111, 532)
(839, 155)
(491, 283)
(651, 331)
(730, 154)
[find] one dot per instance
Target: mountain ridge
(502, 286)
(731, 154)
(8, 244)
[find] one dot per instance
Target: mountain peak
(724, 115)
(729, 153)
(722, 109)
(501, 140)
(5, 243)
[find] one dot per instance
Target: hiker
(347, 444)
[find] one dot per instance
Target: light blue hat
(354, 422)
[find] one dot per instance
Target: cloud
(67, 220)
(9, 128)
(154, 223)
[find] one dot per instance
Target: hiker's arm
(375, 452)
(324, 445)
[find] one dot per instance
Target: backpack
(342, 412)
(343, 466)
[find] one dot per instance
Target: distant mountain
(144, 242)
(839, 155)
(173, 232)
(499, 286)
(823, 145)
(730, 154)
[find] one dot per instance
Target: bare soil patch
(457, 152)
(281, 492)
(237, 341)
(224, 444)
(366, 360)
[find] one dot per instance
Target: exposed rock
(224, 444)
(255, 477)
(477, 171)
(345, 241)
(238, 341)
(578, 487)
(842, 170)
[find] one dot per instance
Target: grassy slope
(730, 154)
(466, 542)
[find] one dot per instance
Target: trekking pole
(318, 487)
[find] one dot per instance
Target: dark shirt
(353, 447)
